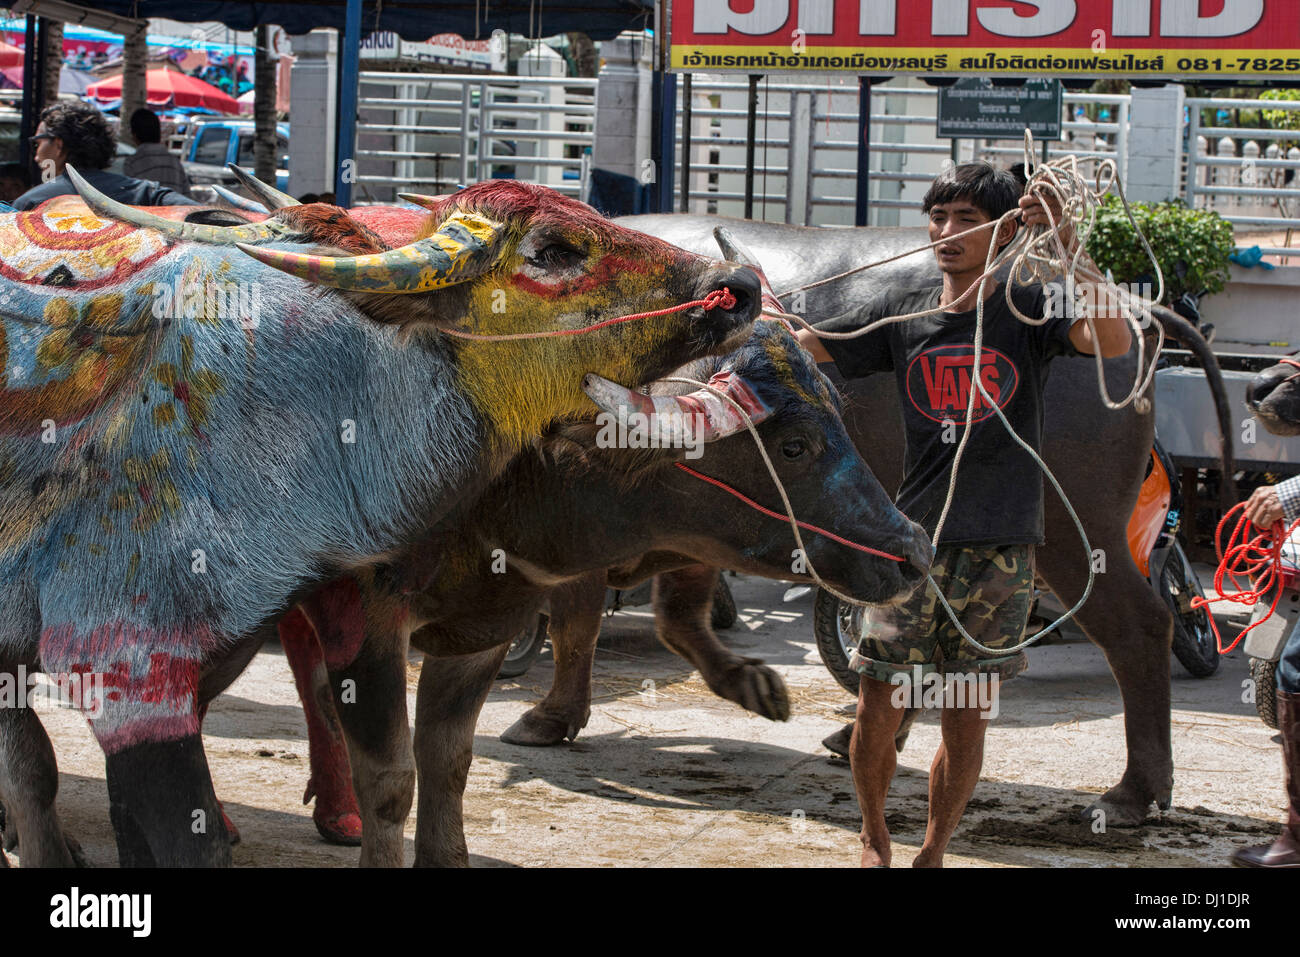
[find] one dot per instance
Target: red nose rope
(1257, 558)
(723, 297)
(785, 518)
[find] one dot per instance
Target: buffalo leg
(336, 815)
(1134, 629)
(683, 600)
(576, 609)
(163, 808)
(29, 781)
(451, 695)
(365, 654)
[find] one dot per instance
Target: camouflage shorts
(991, 590)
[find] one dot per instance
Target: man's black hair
(987, 188)
(145, 126)
(16, 171)
(85, 133)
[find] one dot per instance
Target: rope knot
(723, 297)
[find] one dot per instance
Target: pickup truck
(210, 145)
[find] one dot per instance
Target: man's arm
(813, 343)
(1113, 338)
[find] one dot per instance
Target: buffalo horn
(463, 247)
(674, 419)
(235, 201)
(196, 232)
(271, 197)
(419, 199)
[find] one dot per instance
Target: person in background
(1267, 505)
(307, 198)
(14, 181)
(327, 198)
(152, 160)
(77, 133)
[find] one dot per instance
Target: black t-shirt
(999, 497)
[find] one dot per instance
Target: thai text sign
(1173, 38)
(973, 107)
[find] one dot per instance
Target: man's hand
(1033, 214)
(1263, 507)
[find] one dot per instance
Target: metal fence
(805, 151)
(1228, 170)
(431, 133)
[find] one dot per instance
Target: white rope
(1038, 252)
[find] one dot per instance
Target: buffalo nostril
(1259, 388)
(743, 283)
(744, 303)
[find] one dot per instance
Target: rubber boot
(1285, 851)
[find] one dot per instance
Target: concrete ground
(679, 777)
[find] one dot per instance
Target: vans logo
(939, 381)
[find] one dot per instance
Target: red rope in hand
(785, 518)
(723, 297)
(1257, 558)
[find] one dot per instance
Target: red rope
(723, 297)
(1258, 558)
(785, 518)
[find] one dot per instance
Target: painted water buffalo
(565, 524)
(1273, 395)
(176, 475)
(1099, 456)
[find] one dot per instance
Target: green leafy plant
(1201, 239)
(1281, 119)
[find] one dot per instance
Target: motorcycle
(1154, 544)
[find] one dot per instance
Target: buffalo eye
(556, 255)
(793, 448)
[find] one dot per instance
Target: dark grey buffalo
(1099, 456)
(582, 514)
(1274, 396)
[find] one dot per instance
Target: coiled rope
(1035, 254)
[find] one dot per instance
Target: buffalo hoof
(755, 687)
(343, 829)
(1124, 806)
(535, 729)
(233, 831)
(75, 853)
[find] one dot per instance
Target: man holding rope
(1266, 507)
(984, 559)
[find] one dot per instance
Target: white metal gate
(433, 132)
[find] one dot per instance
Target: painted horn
(235, 201)
(463, 247)
(196, 232)
(271, 197)
(676, 419)
(419, 199)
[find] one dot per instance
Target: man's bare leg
(953, 776)
(873, 759)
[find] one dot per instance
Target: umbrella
(70, 80)
(10, 56)
(167, 87)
